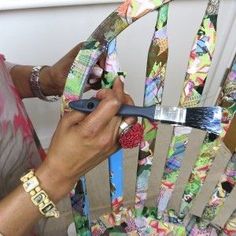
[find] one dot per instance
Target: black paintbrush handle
(204, 118)
(89, 105)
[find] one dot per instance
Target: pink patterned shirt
(20, 149)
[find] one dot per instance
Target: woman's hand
(83, 141)
(52, 79)
(79, 144)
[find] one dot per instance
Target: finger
(96, 71)
(102, 115)
(102, 60)
(101, 94)
(72, 118)
(128, 100)
(112, 129)
(118, 87)
(93, 83)
(131, 119)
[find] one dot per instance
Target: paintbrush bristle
(205, 118)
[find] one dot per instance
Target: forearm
(17, 212)
(21, 78)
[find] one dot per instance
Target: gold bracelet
(38, 196)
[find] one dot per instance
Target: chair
(158, 220)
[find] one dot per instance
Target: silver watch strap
(35, 85)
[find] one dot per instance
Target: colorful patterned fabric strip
(146, 226)
(195, 231)
(80, 208)
(230, 226)
(154, 85)
(112, 70)
(216, 202)
(197, 72)
(221, 192)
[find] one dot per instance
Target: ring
(130, 136)
(124, 127)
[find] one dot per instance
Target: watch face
(39, 198)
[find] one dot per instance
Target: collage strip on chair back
(197, 72)
(227, 100)
(211, 143)
(154, 87)
(115, 161)
(230, 226)
(216, 202)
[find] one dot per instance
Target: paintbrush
(204, 118)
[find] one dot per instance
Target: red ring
(132, 137)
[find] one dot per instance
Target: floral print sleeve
(20, 148)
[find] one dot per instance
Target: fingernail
(122, 78)
(97, 71)
(93, 81)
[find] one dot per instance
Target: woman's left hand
(52, 79)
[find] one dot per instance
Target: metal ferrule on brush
(171, 114)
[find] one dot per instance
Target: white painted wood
(24, 4)
(224, 57)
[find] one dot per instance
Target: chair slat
(221, 192)
(211, 144)
(197, 73)
(115, 161)
(154, 86)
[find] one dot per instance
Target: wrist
(46, 82)
(38, 196)
(53, 181)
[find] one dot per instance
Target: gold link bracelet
(38, 196)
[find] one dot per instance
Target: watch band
(38, 196)
(35, 85)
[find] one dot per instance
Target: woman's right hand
(82, 141)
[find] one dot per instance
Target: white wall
(43, 35)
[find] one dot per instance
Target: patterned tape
(217, 200)
(154, 85)
(116, 160)
(197, 72)
(221, 192)
(211, 144)
(230, 226)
